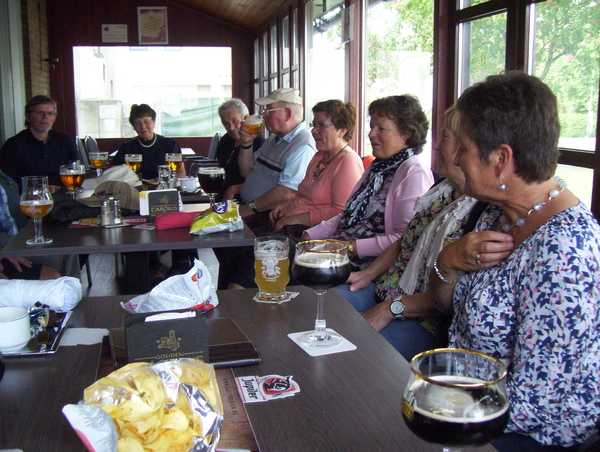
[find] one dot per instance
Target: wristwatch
(252, 205)
(397, 308)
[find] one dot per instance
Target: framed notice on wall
(152, 25)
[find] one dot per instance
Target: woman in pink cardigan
(382, 203)
(331, 174)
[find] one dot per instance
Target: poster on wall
(152, 25)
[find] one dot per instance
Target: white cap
(289, 95)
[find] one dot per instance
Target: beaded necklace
(536, 207)
(321, 166)
(148, 145)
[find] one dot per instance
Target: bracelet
(439, 274)
(247, 147)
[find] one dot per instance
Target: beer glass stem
(37, 226)
(320, 325)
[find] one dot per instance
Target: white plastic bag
(194, 289)
(60, 294)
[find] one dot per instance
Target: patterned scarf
(380, 170)
(7, 223)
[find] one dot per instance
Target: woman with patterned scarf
(383, 201)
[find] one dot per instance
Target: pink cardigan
(411, 180)
(327, 195)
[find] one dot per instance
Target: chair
(91, 144)
(212, 152)
(82, 152)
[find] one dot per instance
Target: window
(400, 55)
(172, 80)
(325, 55)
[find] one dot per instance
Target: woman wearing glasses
(330, 176)
(383, 201)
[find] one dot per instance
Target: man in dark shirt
(38, 150)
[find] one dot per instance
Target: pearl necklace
(148, 145)
(536, 207)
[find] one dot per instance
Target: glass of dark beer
(321, 265)
(456, 398)
(211, 181)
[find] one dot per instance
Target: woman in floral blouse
(525, 285)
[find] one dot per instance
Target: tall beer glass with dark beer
(271, 267)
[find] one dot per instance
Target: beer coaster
(344, 346)
(288, 297)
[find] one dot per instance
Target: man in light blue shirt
(274, 173)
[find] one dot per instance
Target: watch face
(397, 307)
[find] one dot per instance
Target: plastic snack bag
(223, 216)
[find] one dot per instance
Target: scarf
(432, 239)
(356, 207)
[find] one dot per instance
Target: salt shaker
(107, 214)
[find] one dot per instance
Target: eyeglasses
(265, 112)
(320, 125)
(44, 113)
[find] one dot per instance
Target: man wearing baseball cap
(275, 171)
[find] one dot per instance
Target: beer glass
(174, 161)
(133, 161)
(271, 267)
(321, 265)
(456, 398)
(211, 180)
(36, 202)
(253, 123)
(98, 160)
(72, 176)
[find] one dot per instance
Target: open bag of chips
(222, 217)
(169, 406)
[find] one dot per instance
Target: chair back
(82, 153)
(212, 152)
(91, 144)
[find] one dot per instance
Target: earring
(502, 184)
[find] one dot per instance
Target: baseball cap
(289, 95)
(128, 195)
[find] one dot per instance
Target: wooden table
(136, 243)
(348, 401)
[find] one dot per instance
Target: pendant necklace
(148, 145)
(321, 166)
(536, 207)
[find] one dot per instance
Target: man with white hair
(275, 171)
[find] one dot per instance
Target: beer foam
(211, 170)
(253, 119)
(318, 260)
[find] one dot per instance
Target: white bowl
(15, 329)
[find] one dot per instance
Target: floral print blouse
(538, 312)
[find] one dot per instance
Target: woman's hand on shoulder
(476, 250)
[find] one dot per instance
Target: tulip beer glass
(456, 398)
(321, 265)
(271, 267)
(211, 180)
(253, 123)
(98, 160)
(72, 176)
(36, 202)
(133, 161)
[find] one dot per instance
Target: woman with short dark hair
(150, 145)
(525, 286)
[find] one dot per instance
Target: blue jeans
(406, 336)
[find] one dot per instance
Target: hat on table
(128, 195)
(289, 95)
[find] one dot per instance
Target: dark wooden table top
(348, 401)
(95, 240)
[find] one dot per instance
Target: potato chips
(168, 406)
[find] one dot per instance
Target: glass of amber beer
(98, 160)
(36, 202)
(133, 161)
(253, 123)
(72, 176)
(271, 267)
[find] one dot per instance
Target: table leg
(137, 272)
